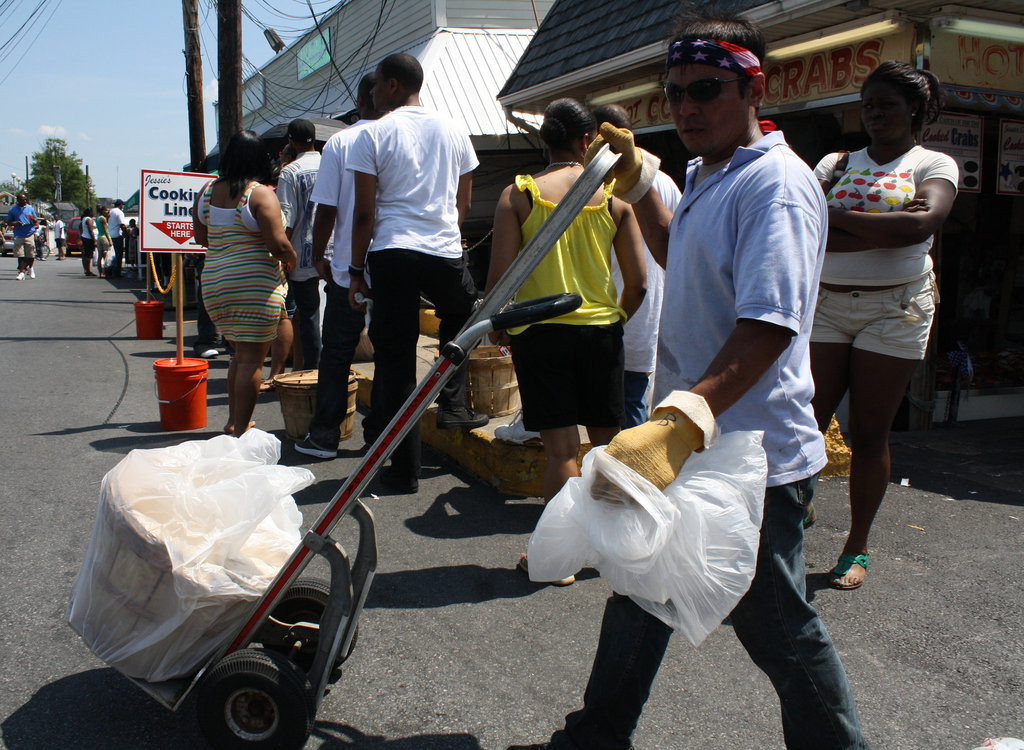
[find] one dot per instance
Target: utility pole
(229, 68)
(56, 184)
(194, 86)
(88, 193)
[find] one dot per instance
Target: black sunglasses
(701, 90)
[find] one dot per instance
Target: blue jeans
(779, 629)
(635, 387)
(342, 326)
(307, 300)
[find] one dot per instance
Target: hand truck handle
(530, 311)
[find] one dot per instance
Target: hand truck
(263, 689)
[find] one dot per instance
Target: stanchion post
(149, 280)
(179, 312)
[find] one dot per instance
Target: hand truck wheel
(305, 601)
(256, 699)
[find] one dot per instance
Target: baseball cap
(301, 131)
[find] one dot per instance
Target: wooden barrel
(491, 386)
(297, 394)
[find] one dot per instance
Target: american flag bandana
(725, 55)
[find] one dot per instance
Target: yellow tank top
(580, 262)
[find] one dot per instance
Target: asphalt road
(456, 650)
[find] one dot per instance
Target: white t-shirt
(334, 187)
(640, 332)
(418, 157)
(880, 188)
(294, 191)
(115, 222)
(58, 229)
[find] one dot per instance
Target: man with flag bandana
(742, 255)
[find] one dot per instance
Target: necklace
(564, 164)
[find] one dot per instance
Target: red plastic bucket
(181, 391)
(149, 319)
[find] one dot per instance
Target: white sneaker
(516, 432)
(21, 276)
(31, 273)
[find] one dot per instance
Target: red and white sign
(165, 211)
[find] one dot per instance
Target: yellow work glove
(657, 449)
(634, 172)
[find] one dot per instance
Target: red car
(74, 227)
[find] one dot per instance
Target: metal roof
(464, 69)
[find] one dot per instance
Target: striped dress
(244, 286)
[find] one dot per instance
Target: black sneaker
(307, 447)
(459, 416)
(398, 482)
(537, 746)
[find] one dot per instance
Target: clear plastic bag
(686, 555)
(186, 538)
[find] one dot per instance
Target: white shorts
(894, 322)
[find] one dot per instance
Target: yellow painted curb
(516, 469)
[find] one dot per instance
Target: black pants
(342, 326)
(397, 277)
(115, 265)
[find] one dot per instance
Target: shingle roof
(578, 33)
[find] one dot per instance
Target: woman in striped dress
(240, 223)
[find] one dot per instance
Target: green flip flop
(810, 516)
(843, 567)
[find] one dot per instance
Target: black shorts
(570, 375)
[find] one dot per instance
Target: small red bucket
(149, 319)
(181, 391)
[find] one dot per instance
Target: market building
(820, 52)
(467, 49)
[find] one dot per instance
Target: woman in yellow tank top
(569, 368)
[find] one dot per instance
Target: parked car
(74, 227)
(8, 241)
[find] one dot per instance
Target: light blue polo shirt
(749, 242)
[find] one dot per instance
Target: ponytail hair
(917, 86)
(565, 120)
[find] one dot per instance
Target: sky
(108, 76)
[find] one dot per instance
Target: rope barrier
(156, 276)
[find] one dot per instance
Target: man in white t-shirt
(413, 178)
(640, 332)
(294, 190)
(116, 224)
(60, 238)
(333, 196)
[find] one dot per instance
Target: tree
(73, 180)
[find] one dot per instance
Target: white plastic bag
(186, 538)
(687, 555)
(1002, 743)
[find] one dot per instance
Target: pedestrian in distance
(742, 255)
(413, 180)
(88, 236)
(878, 292)
(22, 219)
(117, 226)
(60, 238)
(104, 243)
(334, 194)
